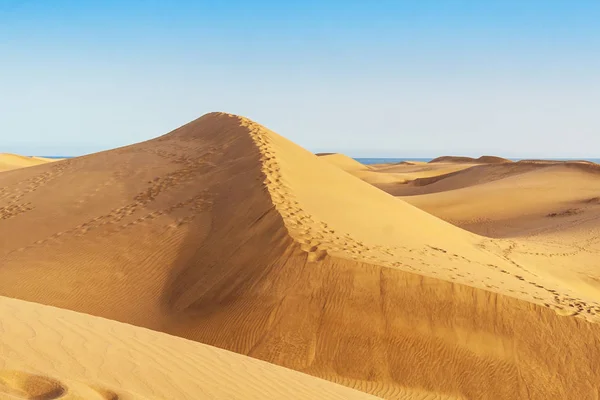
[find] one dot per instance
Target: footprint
(106, 394)
(317, 255)
(566, 312)
(22, 385)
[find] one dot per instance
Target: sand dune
(344, 162)
(465, 175)
(463, 160)
(520, 201)
(502, 200)
(13, 161)
(228, 234)
(386, 175)
(444, 177)
(50, 353)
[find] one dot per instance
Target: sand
(13, 161)
(50, 353)
(479, 160)
(515, 202)
(226, 233)
(388, 175)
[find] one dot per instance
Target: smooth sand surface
(226, 233)
(13, 161)
(51, 353)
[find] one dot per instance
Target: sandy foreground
(50, 353)
(225, 233)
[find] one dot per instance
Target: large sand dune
(50, 353)
(226, 233)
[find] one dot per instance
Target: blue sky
(368, 78)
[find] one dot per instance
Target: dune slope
(226, 233)
(50, 353)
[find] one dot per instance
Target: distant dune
(555, 162)
(515, 201)
(583, 165)
(49, 353)
(46, 159)
(469, 175)
(13, 161)
(390, 175)
(226, 233)
(343, 161)
(499, 200)
(480, 160)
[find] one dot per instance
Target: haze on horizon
(384, 79)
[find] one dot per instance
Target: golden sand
(225, 233)
(50, 353)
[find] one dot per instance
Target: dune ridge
(324, 239)
(233, 236)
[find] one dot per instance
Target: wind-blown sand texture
(228, 234)
(50, 353)
(13, 161)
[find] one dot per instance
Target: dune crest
(228, 234)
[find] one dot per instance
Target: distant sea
(57, 157)
(369, 161)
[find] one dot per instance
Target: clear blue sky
(368, 78)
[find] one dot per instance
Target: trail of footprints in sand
(15, 194)
(315, 236)
(13, 210)
(318, 239)
(16, 384)
(156, 186)
(562, 303)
